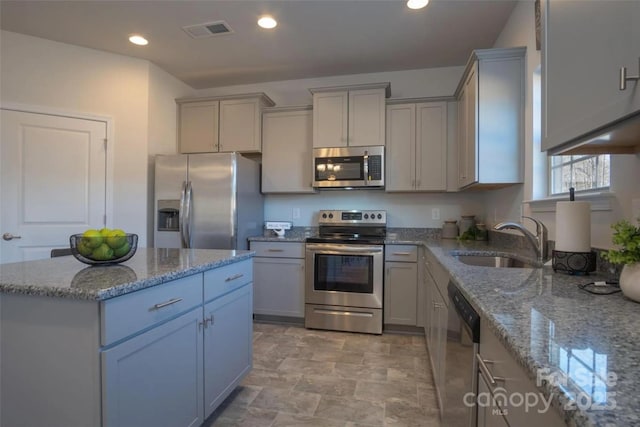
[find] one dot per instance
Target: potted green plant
(627, 236)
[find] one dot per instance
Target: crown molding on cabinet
(267, 102)
(384, 85)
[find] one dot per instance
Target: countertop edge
(122, 289)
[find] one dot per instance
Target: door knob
(9, 236)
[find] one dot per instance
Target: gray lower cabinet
(489, 415)
(401, 285)
(155, 379)
(279, 279)
(501, 375)
(228, 352)
(436, 320)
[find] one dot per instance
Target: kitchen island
(160, 340)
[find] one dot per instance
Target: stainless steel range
(344, 265)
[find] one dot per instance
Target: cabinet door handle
(165, 304)
(482, 364)
(210, 319)
(402, 253)
(234, 277)
(275, 250)
(624, 78)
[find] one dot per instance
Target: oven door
(344, 274)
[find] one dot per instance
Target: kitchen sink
(494, 261)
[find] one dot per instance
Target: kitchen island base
(70, 362)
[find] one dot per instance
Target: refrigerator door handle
(188, 201)
(182, 214)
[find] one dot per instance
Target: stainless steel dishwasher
(461, 378)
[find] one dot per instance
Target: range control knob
(330, 216)
(379, 216)
(324, 215)
(366, 216)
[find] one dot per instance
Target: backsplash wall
(403, 209)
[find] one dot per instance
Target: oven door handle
(324, 248)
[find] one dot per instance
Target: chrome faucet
(539, 241)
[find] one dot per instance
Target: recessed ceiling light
(267, 22)
(417, 4)
(138, 39)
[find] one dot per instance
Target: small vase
(630, 281)
(449, 230)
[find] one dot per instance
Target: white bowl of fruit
(105, 246)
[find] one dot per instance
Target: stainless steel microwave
(348, 167)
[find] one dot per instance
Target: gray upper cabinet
(585, 44)
(286, 150)
(349, 115)
(491, 119)
(417, 146)
(221, 124)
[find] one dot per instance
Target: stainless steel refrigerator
(206, 201)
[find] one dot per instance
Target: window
(583, 172)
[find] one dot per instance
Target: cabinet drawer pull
(275, 250)
(165, 304)
(234, 277)
(486, 372)
(624, 77)
(402, 253)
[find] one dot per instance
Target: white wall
(505, 204)
(72, 79)
(404, 210)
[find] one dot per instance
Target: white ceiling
(313, 38)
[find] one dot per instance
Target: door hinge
(105, 143)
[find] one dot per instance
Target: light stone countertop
(589, 343)
(550, 326)
(67, 277)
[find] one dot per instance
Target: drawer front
(225, 279)
(128, 314)
(511, 379)
(401, 253)
(278, 250)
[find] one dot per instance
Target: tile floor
(304, 377)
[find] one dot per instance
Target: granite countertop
(69, 278)
(586, 346)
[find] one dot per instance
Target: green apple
(116, 238)
(92, 238)
(83, 249)
(102, 253)
(104, 232)
(122, 250)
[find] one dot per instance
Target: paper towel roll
(573, 226)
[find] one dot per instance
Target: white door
(52, 182)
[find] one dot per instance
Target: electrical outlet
(435, 213)
(295, 213)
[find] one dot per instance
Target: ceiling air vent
(208, 29)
